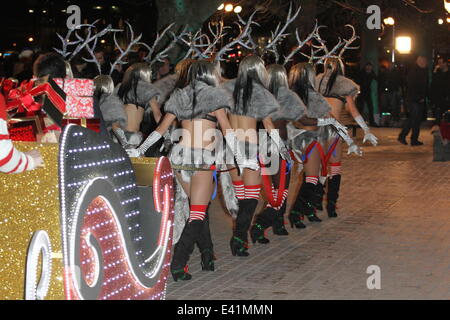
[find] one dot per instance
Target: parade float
(84, 226)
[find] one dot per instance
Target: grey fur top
(291, 106)
(343, 87)
(145, 92)
(165, 86)
(318, 107)
(261, 105)
(208, 99)
(112, 110)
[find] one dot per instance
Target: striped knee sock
(252, 192)
(239, 189)
(198, 212)
(312, 179)
(335, 169)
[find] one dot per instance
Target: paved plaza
(394, 212)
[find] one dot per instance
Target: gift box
(79, 97)
(92, 124)
(26, 128)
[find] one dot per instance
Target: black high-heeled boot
(334, 184)
(237, 244)
(183, 249)
(303, 204)
(205, 245)
(278, 227)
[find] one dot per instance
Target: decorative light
(98, 7)
(379, 38)
(403, 44)
(440, 21)
(30, 39)
(447, 6)
(221, 7)
(448, 20)
(31, 11)
(44, 11)
(103, 41)
(389, 21)
(229, 8)
(238, 9)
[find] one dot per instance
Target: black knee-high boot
(183, 249)
(205, 245)
(303, 206)
(278, 223)
(239, 242)
(334, 184)
(318, 196)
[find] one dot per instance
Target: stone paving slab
(394, 212)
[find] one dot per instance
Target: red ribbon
(268, 186)
(22, 98)
(7, 85)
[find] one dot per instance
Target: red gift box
(25, 128)
(79, 97)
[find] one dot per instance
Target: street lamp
(389, 21)
(403, 45)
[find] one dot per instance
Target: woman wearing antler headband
(340, 92)
(199, 106)
(305, 138)
(138, 94)
(253, 103)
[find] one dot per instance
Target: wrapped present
(7, 84)
(26, 128)
(52, 100)
(79, 100)
(93, 124)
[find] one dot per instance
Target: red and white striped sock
(239, 189)
(252, 192)
(274, 195)
(312, 179)
(198, 212)
(335, 169)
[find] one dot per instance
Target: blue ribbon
(215, 184)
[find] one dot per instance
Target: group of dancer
(297, 110)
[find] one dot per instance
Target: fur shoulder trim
(291, 106)
(112, 110)
(318, 106)
(343, 87)
(208, 99)
(261, 105)
(165, 86)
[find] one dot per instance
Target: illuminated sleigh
(108, 238)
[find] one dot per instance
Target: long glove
(284, 153)
(239, 154)
(368, 136)
(150, 141)
(120, 135)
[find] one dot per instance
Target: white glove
(120, 135)
(353, 148)
(133, 153)
(239, 154)
(282, 150)
(151, 140)
(322, 122)
(371, 138)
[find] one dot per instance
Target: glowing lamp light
(389, 21)
(238, 9)
(403, 45)
(440, 21)
(221, 7)
(31, 11)
(447, 6)
(103, 41)
(229, 8)
(30, 39)
(448, 20)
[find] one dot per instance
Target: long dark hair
(277, 78)
(135, 73)
(333, 68)
(182, 70)
(251, 70)
(201, 71)
(301, 80)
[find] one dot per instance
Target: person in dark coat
(416, 93)
(440, 89)
(366, 76)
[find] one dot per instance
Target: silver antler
(244, 38)
(66, 41)
(348, 42)
(279, 34)
(124, 53)
(301, 43)
(198, 43)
